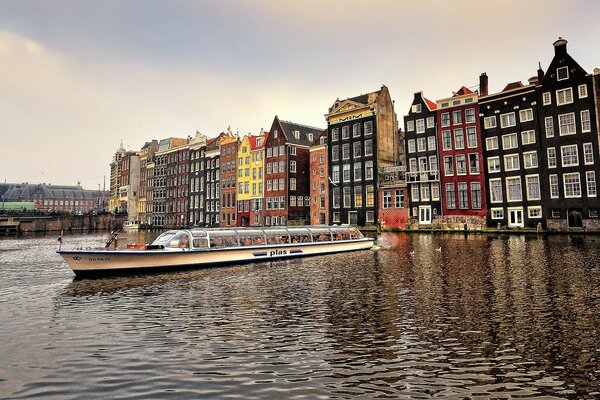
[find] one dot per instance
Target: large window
(368, 147)
(421, 144)
(473, 163)
(446, 140)
(399, 198)
(586, 125)
(412, 147)
(459, 139)
(507, 120)
(358, 196)
(496, 190)
(509, 141)
(528, 137)
(513, 189)
(511, 162)
(489, 122)
(431, 143)
(356, 149)
(493, 164)
(569, 155)
(346, 172)
(356, 130)
(461, 164)
(369, 170)
(430, 122)
(345, 132)
(551, 157)
(335, 155)
(345, 151)
(335, 173)
(470, 115)
(368, 128)
(420, 126)
(370, 196)
(471, 136)
(530, 159)
(491, 143)
(533, 187)
(566, 124)
(457, 117)
(582, 91)
(336, 197)
(463, 196)
(572, 185)
(445, 119)
(588, 154)
(347, 197)
(564, 96)
(450, 196)
(526, 115)
(549, 126)
(424, 192)
(448, 166)
(357, 171)
(554, 194)
(476, 195)
(590, 178)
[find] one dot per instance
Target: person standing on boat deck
(184, 242)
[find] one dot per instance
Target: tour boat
(200, 248)
(131, 225)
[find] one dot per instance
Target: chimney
(483, 84)
(534, 80)
(540, 73)
(560, 46)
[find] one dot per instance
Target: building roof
(253, 141)
(430, 104)
(27, 191)
(462, 91)
(513, 85)
(290, 127)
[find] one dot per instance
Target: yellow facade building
(250, 180)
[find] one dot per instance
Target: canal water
(426, 316)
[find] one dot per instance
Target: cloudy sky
(76, 77)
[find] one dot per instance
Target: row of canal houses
(521, 158)
(525, 157)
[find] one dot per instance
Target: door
(424, 215)
(575, 220)
(515, 218)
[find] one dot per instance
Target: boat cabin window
(355, 233)
(164, 238)
(277, 236)
(219, 239)
(251, 238)
(200, 239)
(321, 234)
(340, 233)
(180, 240)
(300, 235)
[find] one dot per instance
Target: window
(347, 197)
(412, 148)
(476, 195)
(473, 164)
(358, 196)
(430, 122)
(356, 130)
(448, 166)
(336, 197)
(590, 178)
(450, 196)
(421, 144)
(424, 192)
(399, 198)
(572, 185)
(435, 190)
(420, 126)
(446, 140)
(566, 124)
(530, 159)
(493, 164)
(335, 135)
(457, 117)
(431, 143)
(569, 155)
(370, 196)
(459, 139)
(511, 162)
(489, 122)
(582, 90)
(292, 183)
(336, 216)
(497, 213)
(346, 172)
(491, 143)
(469, 115)
(549, 124)
(564, 96)
(335, 173)
(547, 98)
(463, 196)
(554, 187)
(513, 189)
(356, 149)
(555, 213)
(533, 187)
(293, 150)
(551, 157)
(368, 127)
(526, 115)
(509, 141)
(345, 132)
(588, 154)
(370, 216)
(357, 171)
(345, 151)
(471, 136)
(495, 190)
(534, 212)
(445, 119)
(461, 165)
(368, 147)
(586, 126)
(412, 163)
(292, 201)
(386, 199)
(507, 120)
(433, 165)
(414, 193)
(528, 137)
(369, 170)
(562, 73)
(410, 126)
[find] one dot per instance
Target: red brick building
(319, 182)
(394, 211)
(287, 180)
(228, 160)
(461, 160)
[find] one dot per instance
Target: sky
(77, 77)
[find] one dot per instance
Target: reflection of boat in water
(131, 225)
(211, 247)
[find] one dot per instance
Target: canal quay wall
(15, 225)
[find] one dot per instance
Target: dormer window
(297, 134)
(258, 141)
(562, 73)
(310, 137)
(275, 133)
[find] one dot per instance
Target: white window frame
(526, 115)
(410, 126)
(564, 96)
(412, 145)
(528, 137)
(582, 91)
(554, 188)
(420, 125)
(547, 98)
(497, 213)
(551, 157)
(569, 175)
(565, 68)
(588, 154)
(496, 182)
(489, 122)
(528, 160)
(549, 126)
(537, 210)
(515, 166)
(512, 144)
(527, 187)
(494, 165)
(508, 193)
(491, 143)
(564, 155)
(430, 122)
(507, 120)
(561, 124)
(590, 183)
(586, 125)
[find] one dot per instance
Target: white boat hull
(104, 262)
